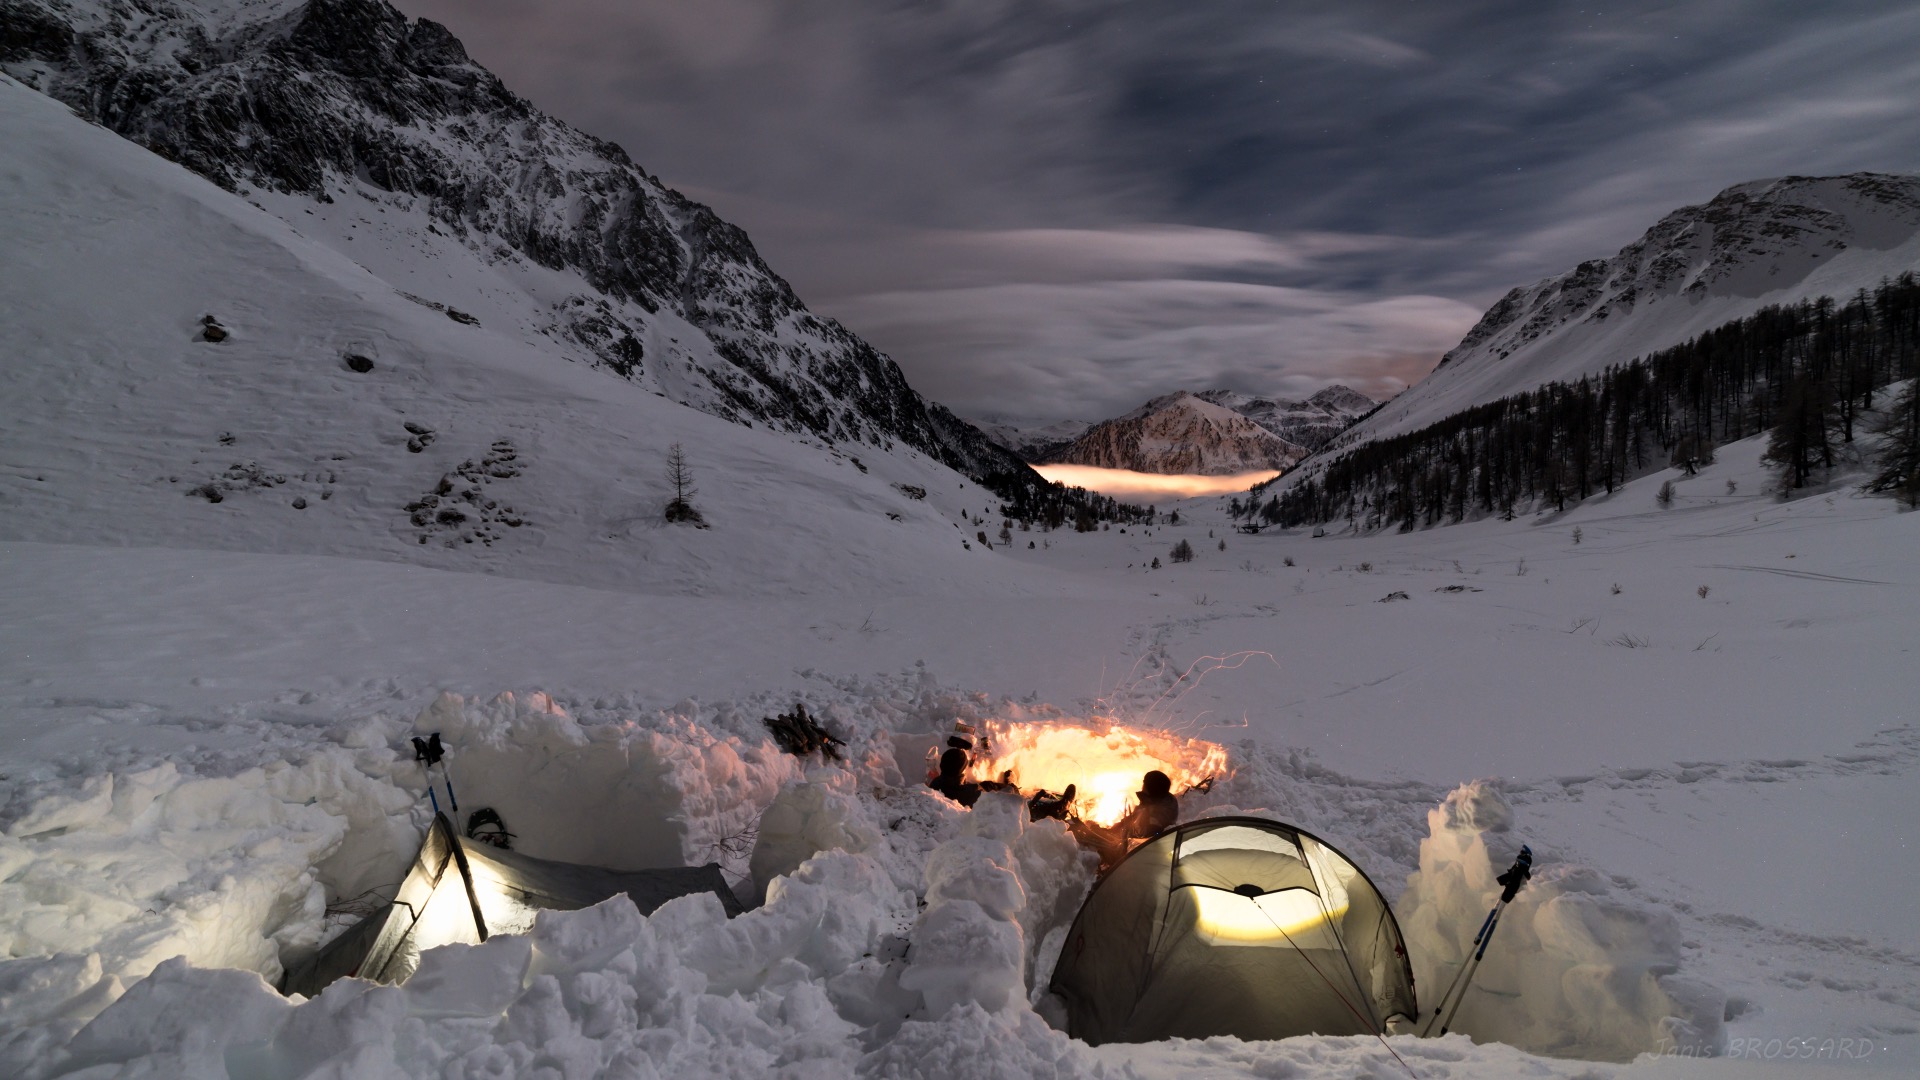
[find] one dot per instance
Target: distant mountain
(1181, 433)
(1306, 424)
(1311, 423)
(1754, 244)
(1030, 442)
(378, 136)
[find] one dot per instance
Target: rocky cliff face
(1311, 423)
(1754, 244)
(327, 101)
(1181, 433)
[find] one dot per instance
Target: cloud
(1096, 349)
(1074, 202)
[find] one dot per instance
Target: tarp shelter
(1233, 926)
(457, 891)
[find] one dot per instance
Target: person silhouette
(952, 781)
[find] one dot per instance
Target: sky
(1057, 209)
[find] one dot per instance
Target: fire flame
(1106, 762)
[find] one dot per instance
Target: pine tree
(1804, 436)
(1899, 457)
(1182, 552)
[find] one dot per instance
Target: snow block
(90, 804)
(805, 818)
(470, 980)
(183, 1016)
(1573, 971)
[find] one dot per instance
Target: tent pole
(1342, 998)
(466, 877)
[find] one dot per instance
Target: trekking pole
(428, 752)
(1493, 916)
(1464, 979)
(446, 777)
(1510, 883)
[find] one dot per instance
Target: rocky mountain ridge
(1764, 242)
(1181, 433)
(1029, 442)
(1303, 425)
(348, 108)
(1311, 423)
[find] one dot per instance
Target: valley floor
(1712, 704)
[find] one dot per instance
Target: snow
(204, 711)
(1597, 974)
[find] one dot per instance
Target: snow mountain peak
(1181, 432)
(1750, 240)
(1310, 423)
(1754, 244)
(1148, 436)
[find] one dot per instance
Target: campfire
(1104, 760)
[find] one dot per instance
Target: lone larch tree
(680, 510)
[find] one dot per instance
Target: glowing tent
(461, 892)
(1233, 926)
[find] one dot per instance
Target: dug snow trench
(149, 909)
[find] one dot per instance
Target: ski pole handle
(1516, 875)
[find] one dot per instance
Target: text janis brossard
(1802, 1048)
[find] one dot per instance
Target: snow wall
(148, 910)
(1572, 970)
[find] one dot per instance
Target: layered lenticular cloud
(1096, 349)
(1069, 205)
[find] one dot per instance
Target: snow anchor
(1510, 882)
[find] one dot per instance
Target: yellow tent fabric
(1233, 926)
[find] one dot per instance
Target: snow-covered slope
(1754, 244)
(1311, 423)
(467, 447)
(1180, 433)
(202, 747)
(380, 137)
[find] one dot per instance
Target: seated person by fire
(1084, 776)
